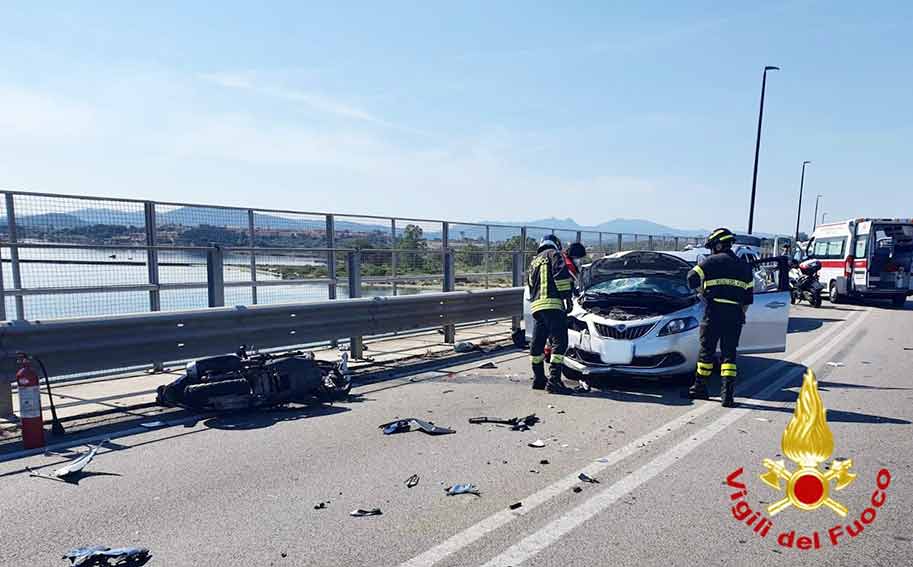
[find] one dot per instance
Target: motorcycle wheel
(199, 395)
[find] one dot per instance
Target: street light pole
(815, 217)
(801, 187)
(757, 147)
(822, 217)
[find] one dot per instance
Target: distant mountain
(50, 220)
(627, 226)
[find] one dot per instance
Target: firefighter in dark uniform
(550, 286)
(727, 285)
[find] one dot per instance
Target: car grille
(623, 332)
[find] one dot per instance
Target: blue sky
(465, 110)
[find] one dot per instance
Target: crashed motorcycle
(804, 283)
(245, 380)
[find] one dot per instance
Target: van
(865, 258)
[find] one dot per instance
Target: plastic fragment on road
(543, 462)
(152, 424)
(516, 505)
(462, 489)
(320, 506)
(587, 478)
(72, 467)
(515, 423)
(360, 512)
(101, 555)
(464, 346)
(537, 444)
(578, 489)
(405, 425)
(836, 364)
(412, 481)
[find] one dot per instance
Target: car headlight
(676, 326)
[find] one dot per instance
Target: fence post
(353, 266)
(676, 242)
(2, 291)
(601, 249)
(620, 238)
(215, 276)
(331, 256)
(579, 236)
(152, 256)
(14, 254)
(394, 258)
(251, 230)
(516, 280)
(6, 391)
(449, 285)
(650, 242)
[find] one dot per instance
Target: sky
(465, 110)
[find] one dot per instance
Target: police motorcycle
(804, 283)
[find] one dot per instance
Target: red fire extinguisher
(30, 417)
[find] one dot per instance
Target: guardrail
(90, 344)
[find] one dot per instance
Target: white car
(634, 314)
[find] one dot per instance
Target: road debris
(412, 481)
(320, 506)
(462, 489)
(587, 478)
(515, 423)
(406, 424)
(764, 419)
(836, 364)
(488, 366)
(464, 346)
(577, 489)
(516, 505)
(152, 424)
(72, 468)
(101, 555)
(543, 462)
(365, 512)
(537, 444)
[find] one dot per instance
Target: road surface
(242, 489)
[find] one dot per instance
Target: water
(128, 267)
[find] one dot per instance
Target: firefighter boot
(539, 376)
(727, 391)
(698, 389)
(555, 385)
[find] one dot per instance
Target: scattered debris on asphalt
(578, 489)
(365, 512)
(908, 348)
(602, 460)
(405, 425)
(836, 364)
(320, 506)
(488, 366)
(516, 505)
(537, 444)
(515, 423)
(462, 489)
(587, 478)
(764, 419)
(464, 346)
(152, 424)
(412, 481)
(101, 555)
(72, 468)
(447, 392)
(543, 462)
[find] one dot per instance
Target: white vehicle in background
(747, 247)
(865, 258)
(635, 315)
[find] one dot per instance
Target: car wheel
(833, 294)
(899, 300)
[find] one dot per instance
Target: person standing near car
(549, 283)
(727, 285)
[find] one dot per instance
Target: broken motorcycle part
(516, 505)
(365, 512)
(515, 423)
(412, 481)
(462, 489)
(537, 444)
(101, 555)
(71, 468)
(587, 478)
(406, 424)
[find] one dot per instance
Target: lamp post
(801, 187)
(822, 217)
(815, 217)
(757, 147)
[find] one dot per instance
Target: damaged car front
(634, 314)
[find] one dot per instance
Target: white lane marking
(558, 528)
(473, 533)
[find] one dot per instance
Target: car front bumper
(654, 356)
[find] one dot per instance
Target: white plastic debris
(836, 364)
(74, 466)
(537, 444)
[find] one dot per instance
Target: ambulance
(865, 258)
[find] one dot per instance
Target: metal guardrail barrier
(88, 344)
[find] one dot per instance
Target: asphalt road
(242, 489)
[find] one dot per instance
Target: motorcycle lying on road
(244, 380)
(804, 283)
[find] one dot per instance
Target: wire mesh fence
(67, 256)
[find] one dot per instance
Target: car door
(768, 317)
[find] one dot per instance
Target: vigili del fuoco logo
(807, 442)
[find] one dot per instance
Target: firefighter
(727, 285)
(549, 285)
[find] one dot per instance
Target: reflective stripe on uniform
(543, 282)
(563, 285)
(699, 271)
(704, 368)
(704, 372)
(547, 303)
(728, 369)
(729, 281)
(557, 359)
(721, 300)
(537, 358)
